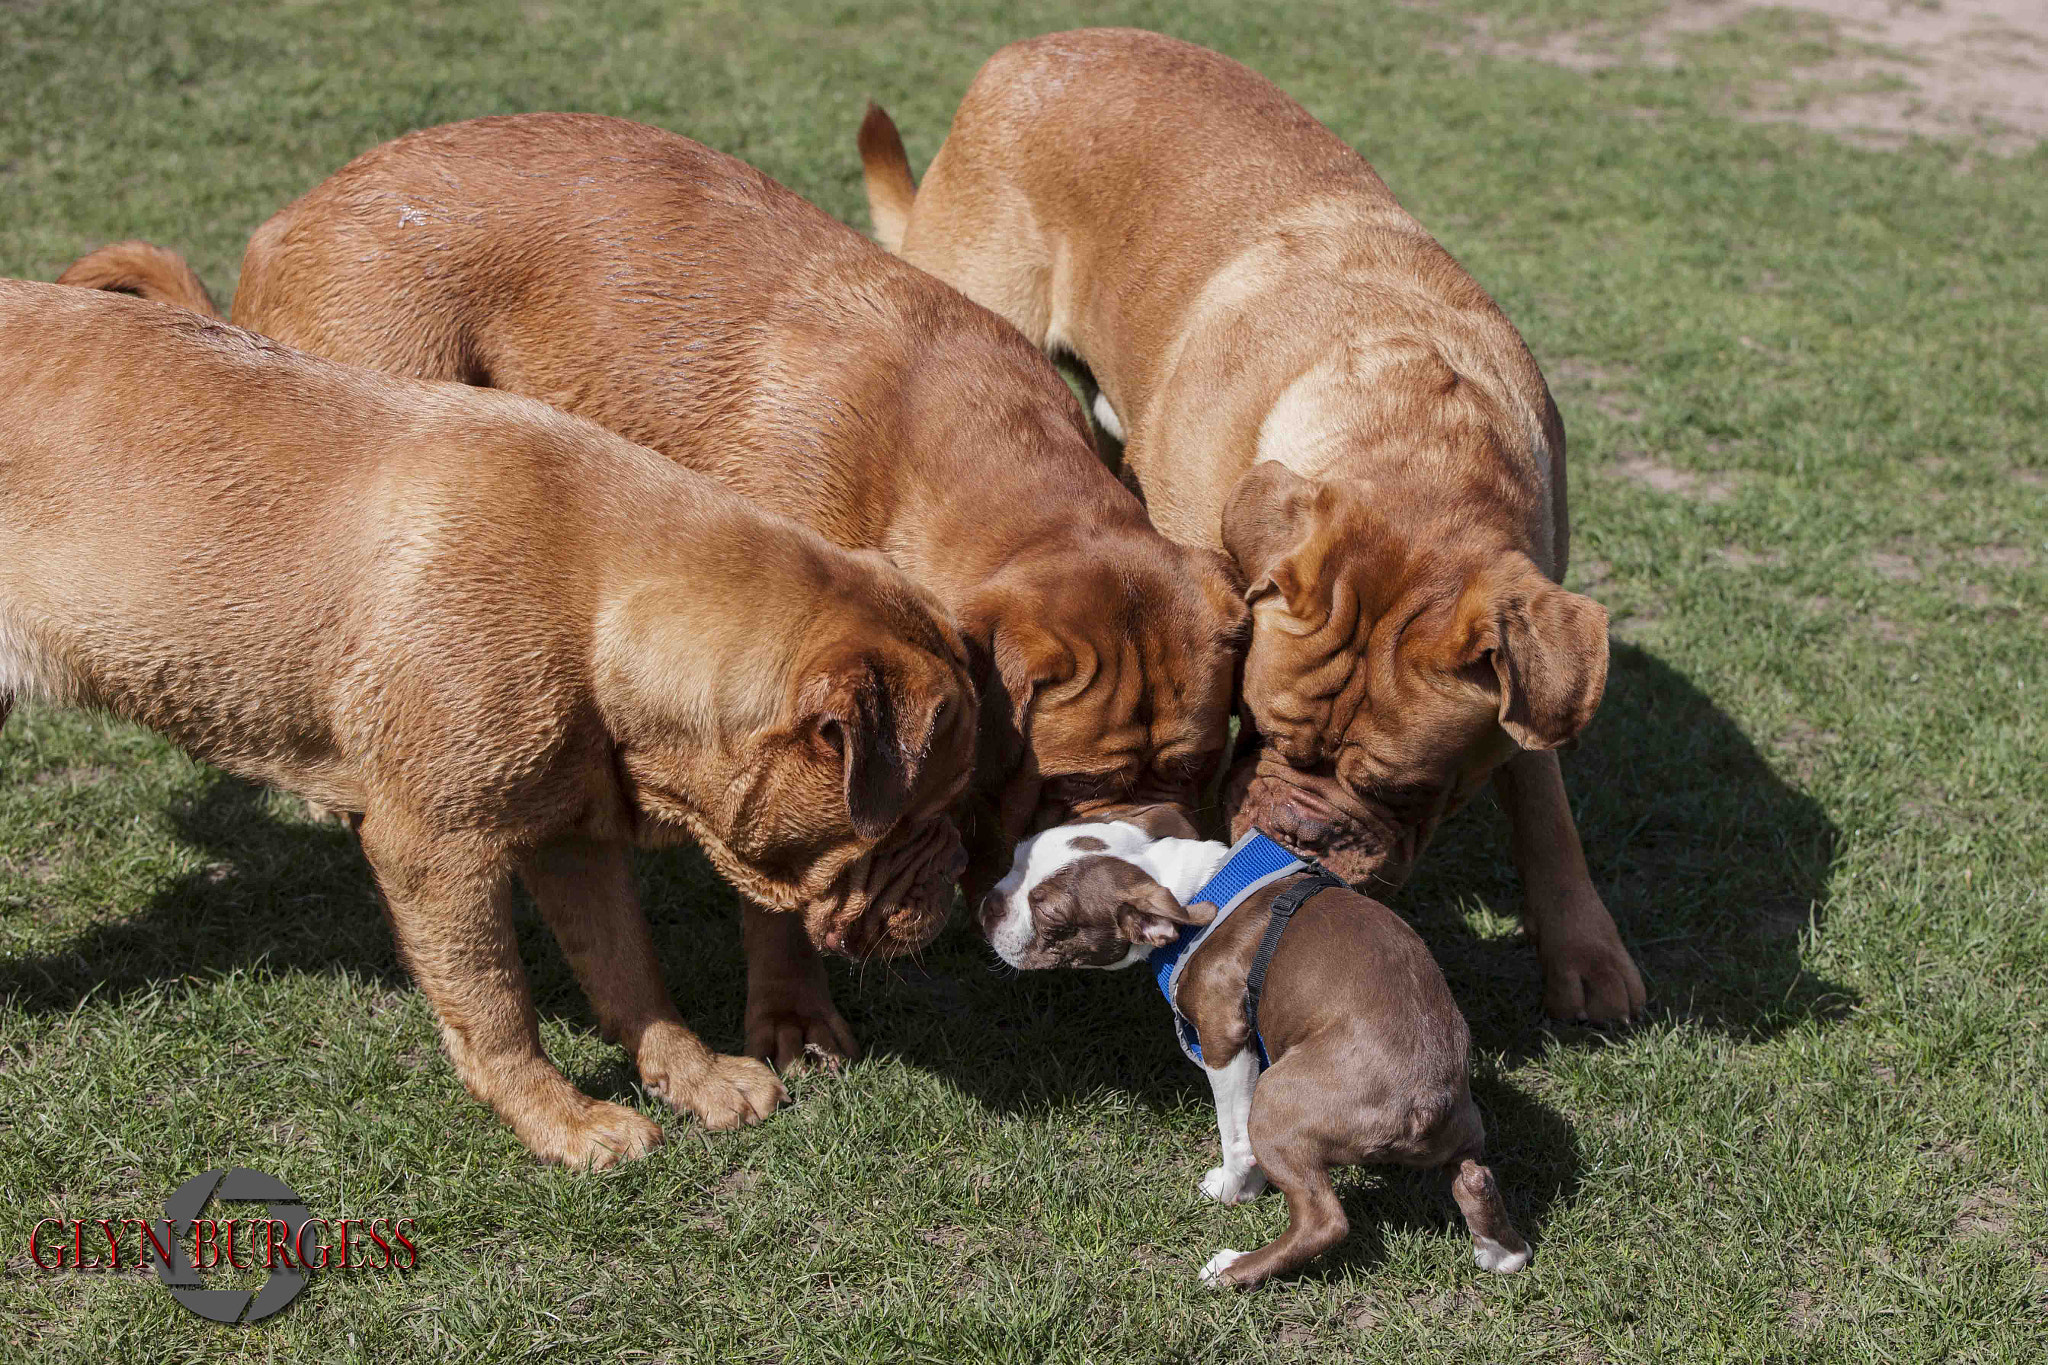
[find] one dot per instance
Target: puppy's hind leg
(450, 904)
(1496, 1246)
(1295, 1154)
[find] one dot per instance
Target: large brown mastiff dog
(1303, 377)
(682, 298)
(510, 642)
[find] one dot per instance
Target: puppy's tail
(886, 168)
(148, 272)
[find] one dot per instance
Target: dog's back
(670, 293)
(103, 505)
(169, 478)
(1242, 283)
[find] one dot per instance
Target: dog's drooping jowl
(1323, 1024)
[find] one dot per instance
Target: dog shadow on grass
(283, 892)
(1712, 864)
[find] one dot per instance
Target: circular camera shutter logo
(231, 1185)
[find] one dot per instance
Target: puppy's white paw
(1491, 1255)
(1225, 1186)
(1212, 1273)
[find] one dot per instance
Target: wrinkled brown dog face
(1108, 688)
(840, 809)
(1387, 681)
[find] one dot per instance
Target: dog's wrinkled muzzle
(895, 900)
(1372, 853)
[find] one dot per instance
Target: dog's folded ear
(1012, 650)
(1547, 648)
(879, 739)
(1267, 527)
(1146, 912)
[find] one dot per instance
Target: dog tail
(886, 168)
(146, 271)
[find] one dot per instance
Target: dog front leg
(450, 904)
(1587, 973)
(790, 1015)
(1238, 1180)
(584, 889)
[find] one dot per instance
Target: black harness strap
(1314, 881)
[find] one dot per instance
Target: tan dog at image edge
(509, 642)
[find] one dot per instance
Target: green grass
(1805, 386)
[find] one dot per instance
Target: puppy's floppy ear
(1151, 916)
(853, 715)
(1547, 647)
(1265, 525)
(1146, 912)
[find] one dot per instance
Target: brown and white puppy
(1369, 1051)
(683, 298)
(511, 643)
(1304, 377)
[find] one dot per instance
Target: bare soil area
(1886, 70)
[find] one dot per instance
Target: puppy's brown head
(1387, 676)
(1107, 670)
(1081, 896)
(833, 799)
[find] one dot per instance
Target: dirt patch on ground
(1804, 747)
(1598, 386)
(1737, 558)
(1664, 478)
(2003, 557)
(88, 775)
(1592, 575)
(1991, 1211)
(1875, 71)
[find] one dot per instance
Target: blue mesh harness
(1254, 862)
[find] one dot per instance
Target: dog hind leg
(1496, 1246)
(1290, 1138)
(1315, 1220)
